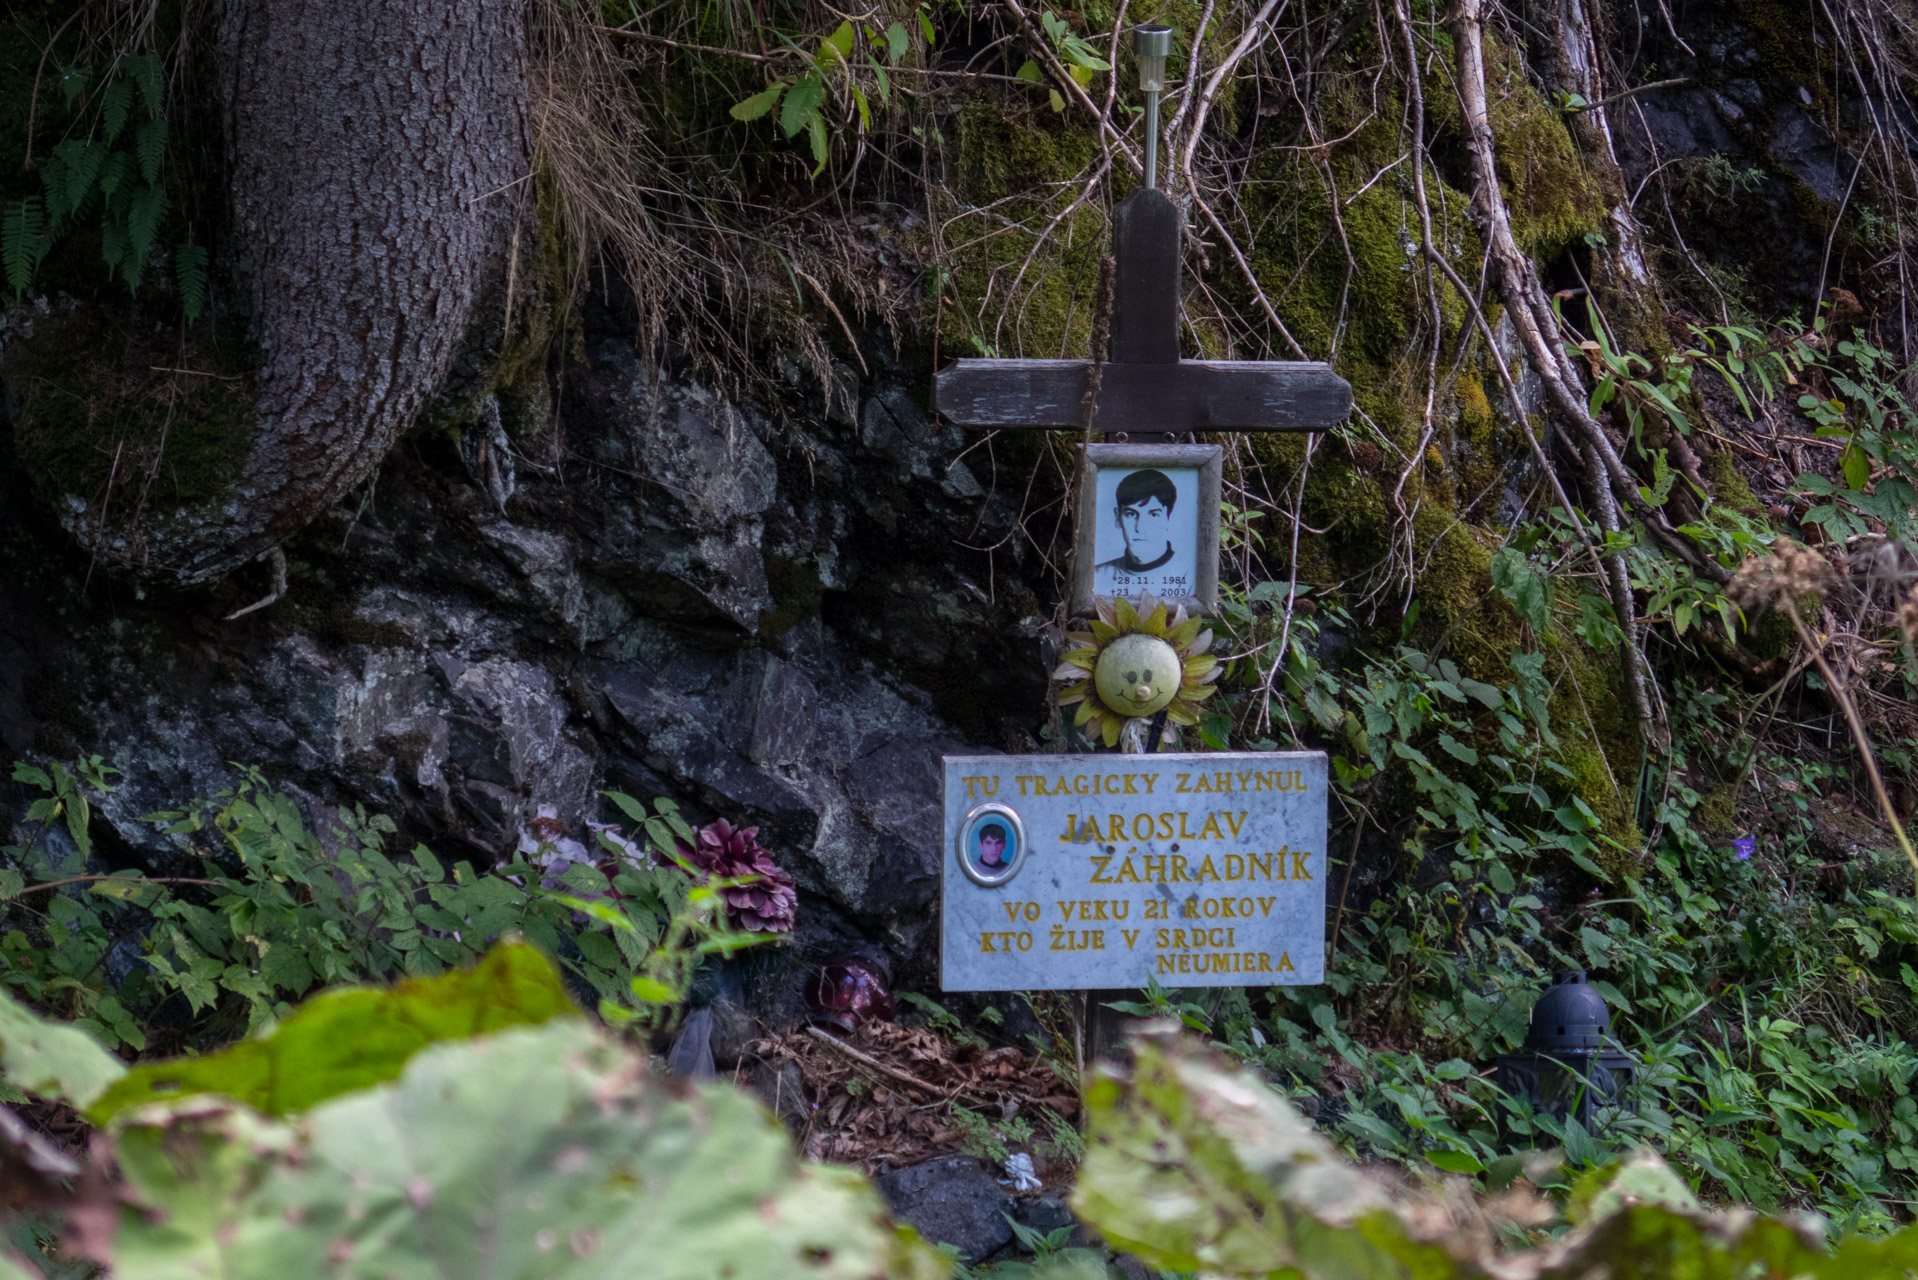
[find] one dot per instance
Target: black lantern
(1569, 1066)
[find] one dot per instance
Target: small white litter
(1019, 1173)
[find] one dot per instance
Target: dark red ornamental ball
(847, 992)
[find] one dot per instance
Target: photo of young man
(1148, 546)
(992, 848)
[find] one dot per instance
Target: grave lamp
(1565, 1066)
(1151, 44)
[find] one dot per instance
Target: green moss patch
(125, 420)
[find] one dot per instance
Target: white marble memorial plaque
(1070, 872)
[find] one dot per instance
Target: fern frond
(145, 70)
(150, 142)
(115, 103)
(23, 241)
(189, 272)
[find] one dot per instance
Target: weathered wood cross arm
(1188, 395)
(1145, 388)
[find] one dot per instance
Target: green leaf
(1029, 72)
(652, 991)
(1857, 467)
(50, 1059)
(355, 1037)
(547, 1152)
(925, 27)
(896, 42)
(816, 133)
(802, 105)
(756, 106)
(1528, 591)
(839, 42)
(1455, 1161)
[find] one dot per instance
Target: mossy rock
(114, 419)
(1019, 294)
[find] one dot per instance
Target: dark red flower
(766, 902)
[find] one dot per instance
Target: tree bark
(375, 149)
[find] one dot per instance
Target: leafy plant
(544, 1149)
(838, 68)
(109, 171)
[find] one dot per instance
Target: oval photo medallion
(992, 845)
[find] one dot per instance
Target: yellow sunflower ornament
(1133, 663)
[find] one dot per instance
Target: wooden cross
(1146, 392)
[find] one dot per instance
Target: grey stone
(951, 1200)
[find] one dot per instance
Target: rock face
(754, 609)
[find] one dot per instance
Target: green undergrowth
(277, 912)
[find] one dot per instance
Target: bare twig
(867, 1060)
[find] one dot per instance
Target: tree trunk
(374, 147)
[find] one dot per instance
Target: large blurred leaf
(50, 1059)
(1196, 1165)
(545, 1152)
(356, 1037)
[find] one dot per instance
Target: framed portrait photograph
(1148, 524)
(992, 845)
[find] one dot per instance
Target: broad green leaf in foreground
(356, 1037)
(51, 1059)
(547, 1152)
(1194, 1164)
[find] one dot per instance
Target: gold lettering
(1265, 907)
(1115, 827)
(1298, 866)
(1155, 867)
(1165, 826)
(1262, 782)
(1183, 833)
(1206, 871)
(1165, 964)
(1131, 778)
(1234, 866)
(1081, 785)
(1236, 823)
(1243, 785)
(1178, 869)
(985, 945)
(1285, 962)
(1126, 872)
(1100, 862)
(1258, 866)
(1212, 826)
(1265, 962)
(1150, 780)
(1131, 936)
(1282, 782)
(1147, 833)
(1185, 783)
(1203, 784)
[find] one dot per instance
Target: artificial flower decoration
(1134, 663)
(765, 904)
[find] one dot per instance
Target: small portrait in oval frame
(992, 845)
